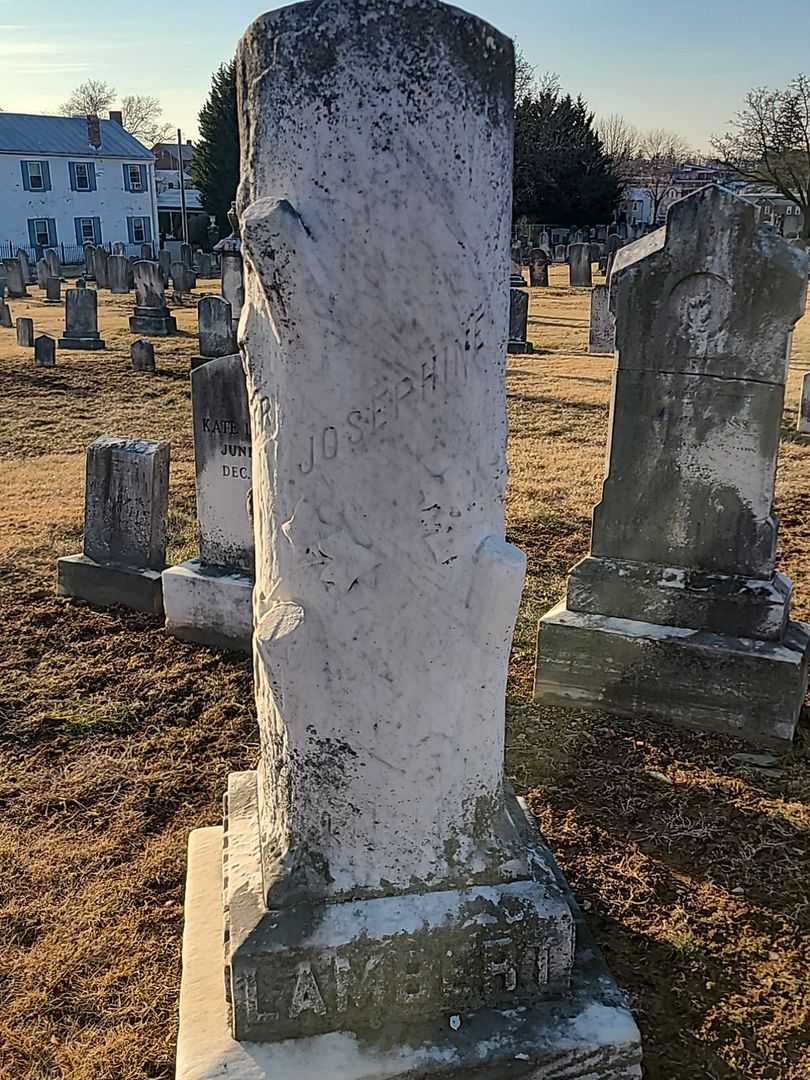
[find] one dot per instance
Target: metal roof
(66, 135)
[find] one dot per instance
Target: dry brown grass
(115, 741)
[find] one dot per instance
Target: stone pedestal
(25, 333)
(81, 321)
(679, 612)
(152, 318)
(209, 605)
(126, 504)
(389, 911)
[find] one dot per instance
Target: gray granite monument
(25, 333)
(118, 274)
(81, 321)
(42, 274)
(125, 514)
(142, 354)
(15, 283)
(25, 267)
(101, 260)
(208, 599)
(53, 291)
(679, 612)
(45, 351)
(404, 920)
(579, 262)
(6, 321)
(151, 317)
(216, 330)
(602, 331)
(54, 265)
(89, 264)
(519, 322)
(165, 264)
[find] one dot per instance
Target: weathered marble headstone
(232, 283)
(579, 261)
(142, 354)
(125, 514)
(679, 612)
(538, 268)
(53, 291)
(519, 322)
(151, 317)
(45, 351)
(101, 261)
(404, 919)
(6, 320)
(204, 265)
(118, 273)
(14, 279)
(602, 335)
(186, 255)
(165, 264)
(560, 253)
(54, 265)
(209, 599)
(182, 280)
(803, 425)
(119, 248)
(25, 333)
(216, 330)
(25, 267)
(81, 321)
(89, 263)
(42, 274)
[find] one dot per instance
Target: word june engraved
(235, 446)
(326, 991)
(432, 381)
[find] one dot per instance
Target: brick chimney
(117, 118)
(94, 132)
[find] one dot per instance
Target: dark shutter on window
(74, 186)
(52, 238)
(79, 238)
(46, 176)
(147, 230)
(91, 172)
(127, 185)
(144, 178)
(25, 176)
(32, 230)
(129, 230)
(96, 222)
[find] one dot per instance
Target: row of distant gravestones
(152, 317)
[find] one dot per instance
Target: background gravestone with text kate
(209, 599)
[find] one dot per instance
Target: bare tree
(621, 142)
(92, 98)
(143, 118)
(769, 143)
(528, 83)
(660, 153)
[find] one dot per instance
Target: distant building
(65, 181)
(637, 207)
(774, 209)
(169, 199)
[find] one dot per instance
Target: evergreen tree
(216, 156)
(562, 174)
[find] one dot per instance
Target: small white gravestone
(208, 600)
(126, 506)
(389, 908)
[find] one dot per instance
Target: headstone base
(209, 605)
(751, 689)
(84, 343)
(520, 348)
(98, 583)
(153, 325)
(585, 1032)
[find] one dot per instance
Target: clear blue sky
(680, 64)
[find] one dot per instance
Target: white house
(65, 181)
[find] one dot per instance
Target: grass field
(116, 741)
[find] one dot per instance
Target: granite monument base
(738, 686)
(209, 605)
(153, 323)
(85, 343)
(582, 1031)
(106, 585)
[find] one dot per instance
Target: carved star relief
(317, 543)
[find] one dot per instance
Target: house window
(82, 176)
(134, 173)
(139, 230)
(36, 176)
(42, 232)
(87, 230)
